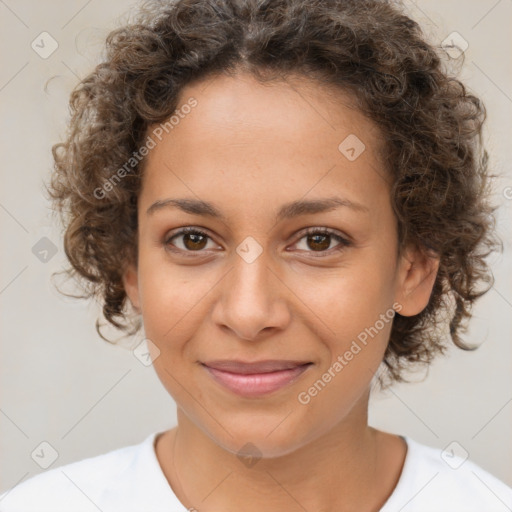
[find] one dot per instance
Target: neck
(348, 468)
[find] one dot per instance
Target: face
(292, 263)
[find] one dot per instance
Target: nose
(252, 300)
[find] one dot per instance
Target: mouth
(253, 379)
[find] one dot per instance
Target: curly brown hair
(431, 124)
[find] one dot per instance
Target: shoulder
(81, 486)
(441, 480)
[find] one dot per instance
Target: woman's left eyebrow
(288, 210)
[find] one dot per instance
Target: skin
(249, 148)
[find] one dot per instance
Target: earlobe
(131, 286)
(416, 277)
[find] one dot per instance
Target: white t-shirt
(130, 479)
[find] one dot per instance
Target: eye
(192, 240)
(319, 239)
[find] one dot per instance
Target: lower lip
(256, 384)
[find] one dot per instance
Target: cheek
(359, 318)
(173, 302)
(346, 300)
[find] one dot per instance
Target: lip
(253, 379)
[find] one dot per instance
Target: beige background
(62, 384)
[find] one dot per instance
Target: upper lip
(242, 367)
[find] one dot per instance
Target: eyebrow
(288, 210)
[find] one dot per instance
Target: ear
(131, 286)
(417, 273)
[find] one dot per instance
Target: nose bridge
(250, 275)
(251, 300)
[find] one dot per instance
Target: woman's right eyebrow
(288, 210)
(193, 206)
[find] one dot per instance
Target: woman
(287, 194)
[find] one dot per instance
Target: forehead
(278, 138)
(288, 106)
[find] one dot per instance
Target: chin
(263, 438)
(259, 445)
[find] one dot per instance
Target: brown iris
(319, 245)
(196, 240)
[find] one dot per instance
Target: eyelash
(343, 242)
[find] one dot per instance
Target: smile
(255, 379)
